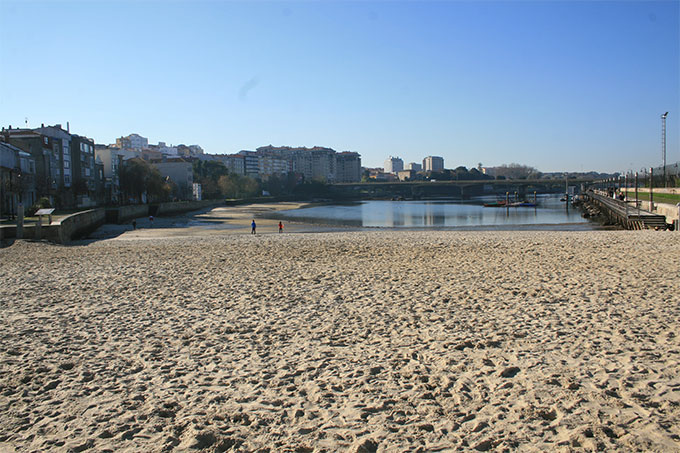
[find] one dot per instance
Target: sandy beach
(218, 340)
(218, 221)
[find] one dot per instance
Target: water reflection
(438, 214)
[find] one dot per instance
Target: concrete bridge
(455, 189)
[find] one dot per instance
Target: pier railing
(628, 215)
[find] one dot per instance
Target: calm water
(447, 214)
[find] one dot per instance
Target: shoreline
(228, 220)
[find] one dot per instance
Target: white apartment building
(393, 165)
(132, 141)
(165, 149)
(414, 166)
(433, 163)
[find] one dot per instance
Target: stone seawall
(80, 224)
(71, 227)
(178, 207)
(125, 213)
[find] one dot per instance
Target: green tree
(208, 173)
(251, 187)
(229, 186)
(237, 186)
(312, 189)
(138, 177)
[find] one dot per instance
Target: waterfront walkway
(630, 217)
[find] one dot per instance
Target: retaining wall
(124, 213)
(177, 207)
(665, 209)
(81, 223)
(71, 227)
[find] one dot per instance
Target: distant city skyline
(559, 86)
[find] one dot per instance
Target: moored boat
(497, 204)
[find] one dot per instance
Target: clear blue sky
(556, 85)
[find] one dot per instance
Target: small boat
(514, 204)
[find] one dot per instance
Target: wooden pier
(628, 216)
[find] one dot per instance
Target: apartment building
(112, 159)
(393, 165)
(348, 167)
(323, 164)
(433, 163)
(17, 179)
(317, 163)
(271, 164)
(234, 162)
(132, 141)
(251, 163)
(180, 172)
(65, 166)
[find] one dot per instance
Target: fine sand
(344, 341)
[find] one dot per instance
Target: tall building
(132, 141)
(433, 163)
(348, 167)
(112, 159)
(323, 164)
(234, 162)
(17, 179)
(414, 166)
(65, 164)
(251, 163)
(84, 170)
(317, 163)
(271, 164)
(393, 165)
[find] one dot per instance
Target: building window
(45, 140)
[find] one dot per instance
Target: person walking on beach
(253, 226)
(151, 221)
(280, 227)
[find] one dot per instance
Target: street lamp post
(637, 202)
(663, 146)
